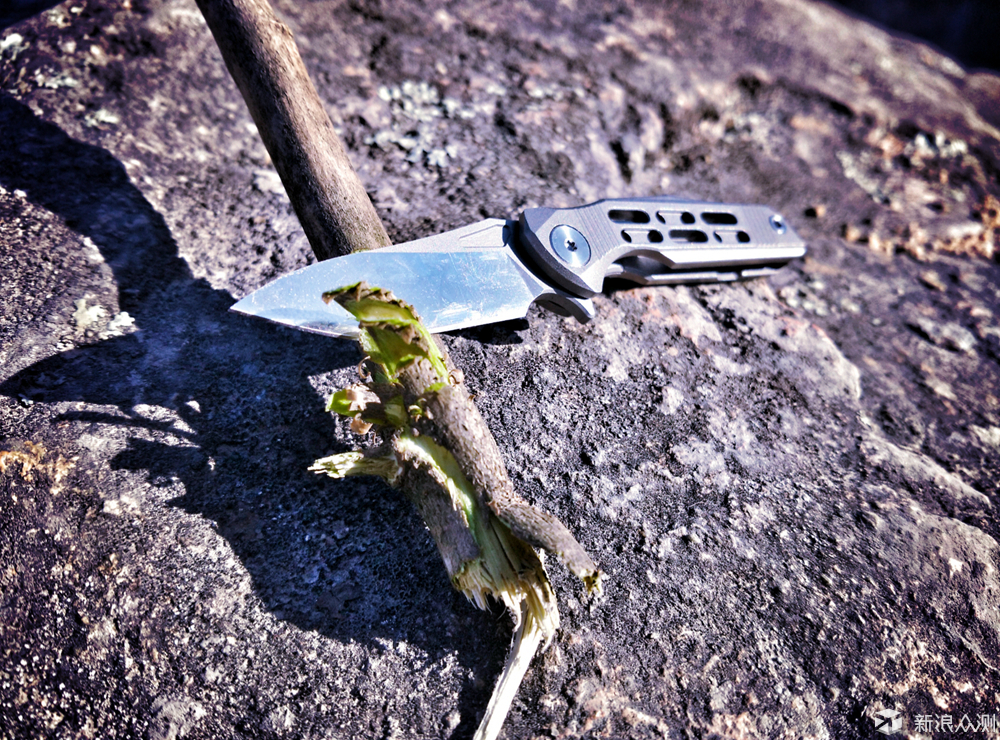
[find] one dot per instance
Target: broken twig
(436, 446)
(483, 529)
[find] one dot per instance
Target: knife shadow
(223, 405)
(500, 334)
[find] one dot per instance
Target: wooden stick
(338, 218)
(329, 199)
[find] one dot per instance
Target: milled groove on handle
(681, 234)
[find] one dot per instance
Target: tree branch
(329, 199)
(436, 447)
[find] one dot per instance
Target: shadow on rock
(223, 405)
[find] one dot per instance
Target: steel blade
(455, 280)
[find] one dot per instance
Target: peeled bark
(437, 450)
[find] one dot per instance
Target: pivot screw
(570, 245)
(778, 223)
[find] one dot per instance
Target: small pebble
(933, 280)
(851, 233)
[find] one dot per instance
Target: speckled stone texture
(791, 483)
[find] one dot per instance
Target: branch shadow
(224, 405)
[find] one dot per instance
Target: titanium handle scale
(655, 241)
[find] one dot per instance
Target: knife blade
(494, 270)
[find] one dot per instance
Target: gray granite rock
(791, 483)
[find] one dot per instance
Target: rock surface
(791, 483)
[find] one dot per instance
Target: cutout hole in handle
(629, 217)
(642, 236)
(674, 218)
(718, 218)
(691, 236)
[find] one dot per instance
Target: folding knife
(557, 257)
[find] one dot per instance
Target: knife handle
(578, 247)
